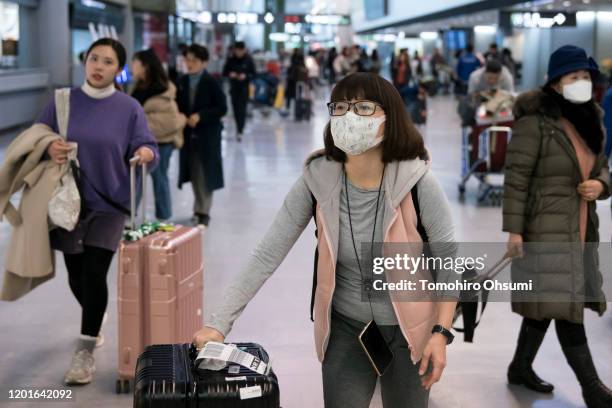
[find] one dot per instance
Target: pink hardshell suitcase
(160, 290)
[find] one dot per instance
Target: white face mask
(578, 92)
(354, 134)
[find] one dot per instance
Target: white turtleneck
(98, 93)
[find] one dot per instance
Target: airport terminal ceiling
(291, 6)
(435, 15)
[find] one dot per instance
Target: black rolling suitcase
(166, 377)
(303, 102)
(302, 109)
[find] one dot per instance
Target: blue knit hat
(570, 58)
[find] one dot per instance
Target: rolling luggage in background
(484, 156)
(265, 89)
(303, 102)
(166, 377)
(160, 289)
(494, 156)
(484, 143)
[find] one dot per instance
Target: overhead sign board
(551, 19)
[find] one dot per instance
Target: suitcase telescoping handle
(133, 163)
(506, 129)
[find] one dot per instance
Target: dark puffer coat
(541, 202)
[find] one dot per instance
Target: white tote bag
(65, 205)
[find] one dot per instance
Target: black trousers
(240, 98)
(87, 279)
(569, 334)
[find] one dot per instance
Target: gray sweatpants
(349, 379)
(202, 197)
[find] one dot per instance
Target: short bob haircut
(402, 141)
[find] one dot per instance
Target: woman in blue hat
(555, 170)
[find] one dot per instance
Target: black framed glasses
(361, 108)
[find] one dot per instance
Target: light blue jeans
(161, 184)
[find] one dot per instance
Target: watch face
(446, 333)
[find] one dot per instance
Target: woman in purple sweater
(109, 127)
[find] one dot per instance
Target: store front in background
(151, 32)
(9, 34)
(90, 20)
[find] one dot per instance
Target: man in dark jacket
(202, 100)
(240, 70)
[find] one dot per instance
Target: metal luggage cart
(483, 155)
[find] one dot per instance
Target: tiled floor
(38, 331)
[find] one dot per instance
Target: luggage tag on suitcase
(229, 353)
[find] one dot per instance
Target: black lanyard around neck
(368, 283)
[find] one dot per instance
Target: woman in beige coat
(157, 95)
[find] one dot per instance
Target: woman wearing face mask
(555, 170)
(362, 185)
(157, 95)
(109, 127)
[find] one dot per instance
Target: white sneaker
(81, 368)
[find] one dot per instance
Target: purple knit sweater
(108, 132)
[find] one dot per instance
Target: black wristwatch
(438, 328)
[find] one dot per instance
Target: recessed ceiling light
(586, 1)
(567, 3)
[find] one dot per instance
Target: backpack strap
(420, 228)
(415, 201)
(469, 310)
(316, 258)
